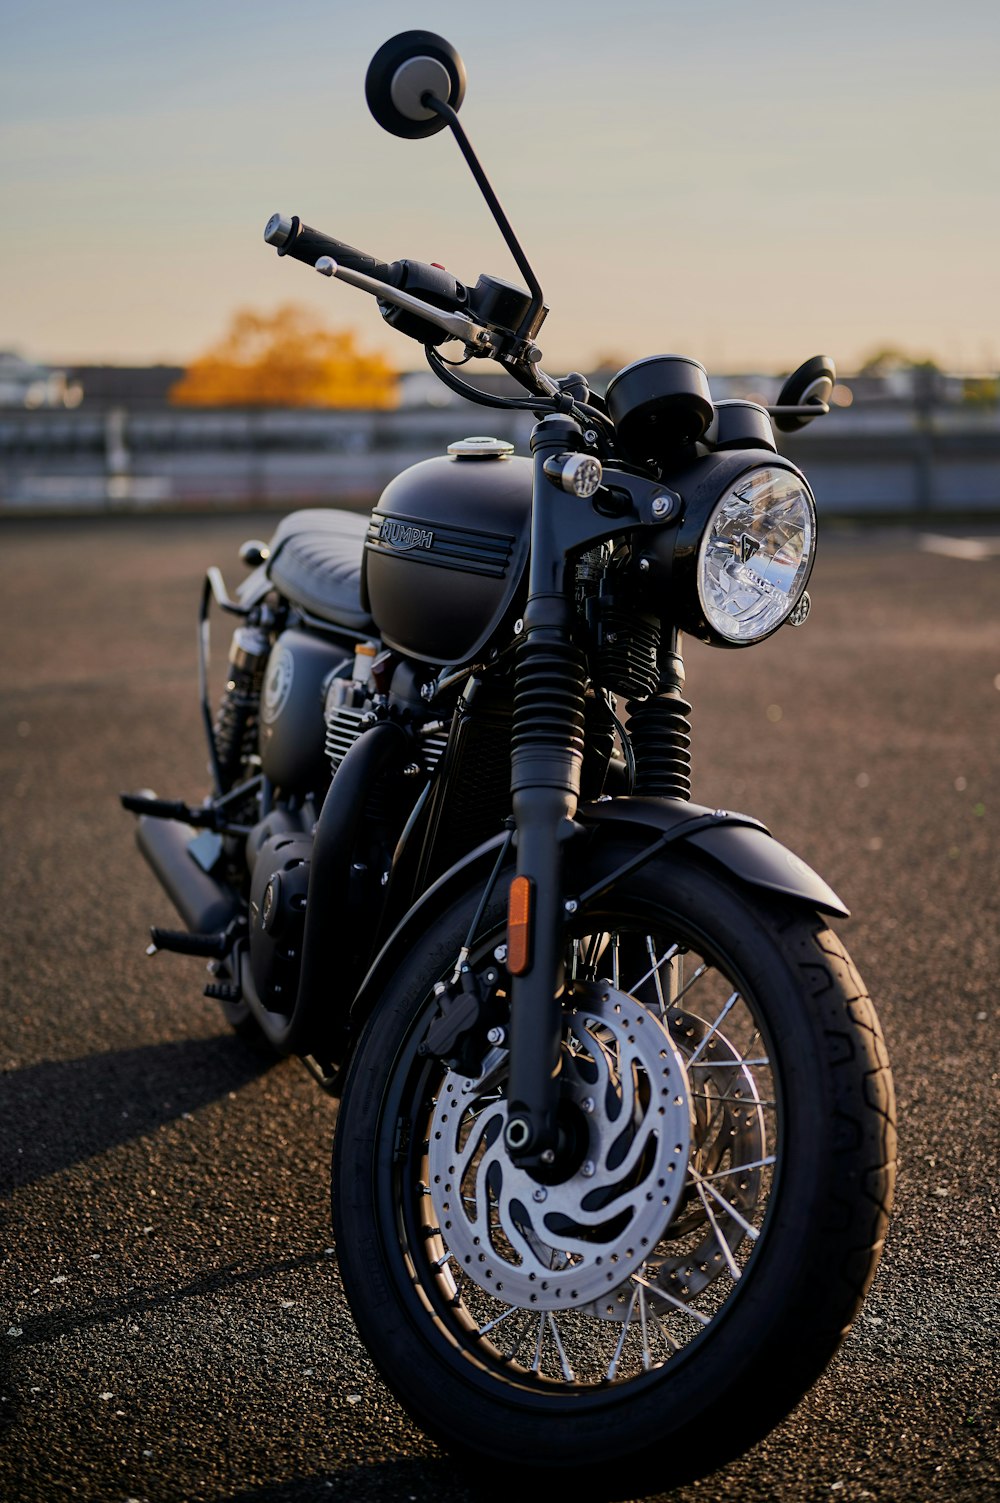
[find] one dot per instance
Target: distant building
(25, 384)
(421, 389)
(126, 385)
(146, 388)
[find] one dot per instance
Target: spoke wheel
(689, 1274)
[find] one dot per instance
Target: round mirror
(403, 70)
(812, 382)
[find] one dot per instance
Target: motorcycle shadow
(60, 1112)
(388, 1481)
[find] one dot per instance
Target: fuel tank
(445, 557)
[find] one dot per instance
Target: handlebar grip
(293, 238)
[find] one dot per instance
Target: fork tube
(546, 763)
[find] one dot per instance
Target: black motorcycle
(615, 1149)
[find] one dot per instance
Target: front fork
(546, 765)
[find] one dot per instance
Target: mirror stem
(431, 102)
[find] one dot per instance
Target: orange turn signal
(519, 907)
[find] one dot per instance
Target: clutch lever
(809, 409)
(474, 336)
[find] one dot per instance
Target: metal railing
(882, 459)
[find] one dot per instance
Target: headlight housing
(756, 554)
(733, 564)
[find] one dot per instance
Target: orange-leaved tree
(286, 359)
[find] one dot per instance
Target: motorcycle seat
(316, 562)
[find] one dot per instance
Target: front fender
(741, 844)
(736, 841)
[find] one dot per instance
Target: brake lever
(474, 336)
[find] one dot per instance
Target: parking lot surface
(172, 1326)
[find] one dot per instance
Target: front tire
(741, 1297)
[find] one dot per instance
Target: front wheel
(664, 1303)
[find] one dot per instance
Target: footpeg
(224, 991)
(169, 808)
(180, 942)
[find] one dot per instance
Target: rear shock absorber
(660, 731)
(236, 722)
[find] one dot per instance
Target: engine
(315, 705)
(299, 668)
(278, 895)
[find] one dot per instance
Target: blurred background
(745, 185)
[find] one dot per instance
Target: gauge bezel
(659, 405)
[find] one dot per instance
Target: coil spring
(236, 723)
(660, 732)
(548, 705)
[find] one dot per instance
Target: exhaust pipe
(205, 905)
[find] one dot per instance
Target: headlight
(755, 554)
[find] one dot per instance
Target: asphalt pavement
(172, 1325)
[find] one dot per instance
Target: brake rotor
(554, 1246)
(728, 1123)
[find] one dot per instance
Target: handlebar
(420, 299)
(442, 311)
(293, 238)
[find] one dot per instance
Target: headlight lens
(756, 553)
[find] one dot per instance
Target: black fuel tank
(444, 567)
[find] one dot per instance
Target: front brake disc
(727, 1128)
(554, 1246)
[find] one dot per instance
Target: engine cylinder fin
(432, 748)
(344, 725)
(625, 660)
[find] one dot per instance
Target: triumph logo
(748, 547)
(402, 536)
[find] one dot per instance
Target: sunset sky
(747, 184)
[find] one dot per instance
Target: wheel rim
(614, 1322)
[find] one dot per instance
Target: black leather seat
(316, 561)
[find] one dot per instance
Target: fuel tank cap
(480, 447)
